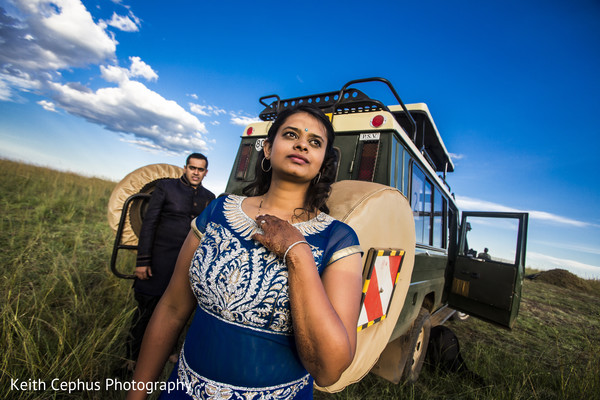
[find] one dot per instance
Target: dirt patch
(562, 278)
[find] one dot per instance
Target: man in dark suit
(172, 207)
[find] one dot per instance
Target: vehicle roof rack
(347, 100)
(353, 101)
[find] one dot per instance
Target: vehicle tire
(142, 180)
(419, 340)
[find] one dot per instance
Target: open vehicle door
(489, 267)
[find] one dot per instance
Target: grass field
(64, 315)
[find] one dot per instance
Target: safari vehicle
(421, 260)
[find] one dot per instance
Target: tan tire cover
(134, 183)
(382, 218)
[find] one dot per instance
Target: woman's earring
(318, 178)
(262, 165)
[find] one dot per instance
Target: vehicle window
(368, 160)
(427, 213)
(394, 163)
(417, 201)
(491, 239)
(439, 208)
(429, 210)
(244, 161)
(405, 171)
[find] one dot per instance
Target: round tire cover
(382, 218)
(142, 180)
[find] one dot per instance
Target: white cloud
(209, 111)
(13, 80)
(112, 73)
(206, 110)
(243, 120)
(198, 109)
(5, 91)
(140, 68)
(124, 23)
(546, 262)
(51, 35)
(570, 246)
(454, 156)
(47, 105)
(145, 144)
(133, 108)
(43, 37)
(467, 203)
(542, 215)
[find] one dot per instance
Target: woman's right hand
(278, 235)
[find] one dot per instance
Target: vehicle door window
(491, 239)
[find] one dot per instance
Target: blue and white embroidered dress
(240, 345)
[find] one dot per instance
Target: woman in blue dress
(274, 280)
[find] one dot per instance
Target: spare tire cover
(382, 218)
(142, 180)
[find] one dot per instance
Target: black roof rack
(346, 101)
(354, 101)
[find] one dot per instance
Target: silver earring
(318, 178)
(262, 165)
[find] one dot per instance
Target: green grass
(553, 352)
(64, 315)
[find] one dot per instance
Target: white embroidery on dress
(201, 388)
(246, 226)
(241, 282)
(242, 285)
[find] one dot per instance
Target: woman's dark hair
(318, 192)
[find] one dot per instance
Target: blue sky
(104, 87)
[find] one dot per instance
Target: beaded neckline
(246, 226)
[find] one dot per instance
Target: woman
(275, 281)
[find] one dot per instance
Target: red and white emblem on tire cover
(383, 272)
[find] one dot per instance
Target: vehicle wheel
(460, 316)
(419, 340)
